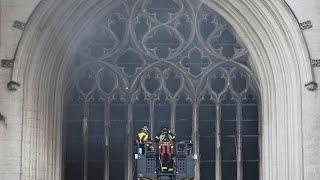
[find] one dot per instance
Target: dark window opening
(171, 66)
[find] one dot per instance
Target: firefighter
(143, 135)
(165, 140)
(165, 136)
(143, 138)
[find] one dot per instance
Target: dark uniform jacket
(165, 137)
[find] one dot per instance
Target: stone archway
(269, 30)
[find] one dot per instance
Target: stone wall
(310, 10)
(11, 102)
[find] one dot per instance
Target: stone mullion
(85, 140)
(218, 142)
(106, 144)
(129, 165)
(239, 142)
(151, 117)
(173, 107)
(195, 137)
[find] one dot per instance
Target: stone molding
(268, 28)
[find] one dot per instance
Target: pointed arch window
(172, 63)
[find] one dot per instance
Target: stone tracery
(168, 59)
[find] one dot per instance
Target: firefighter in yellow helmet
(143, 138)
(143, 135)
